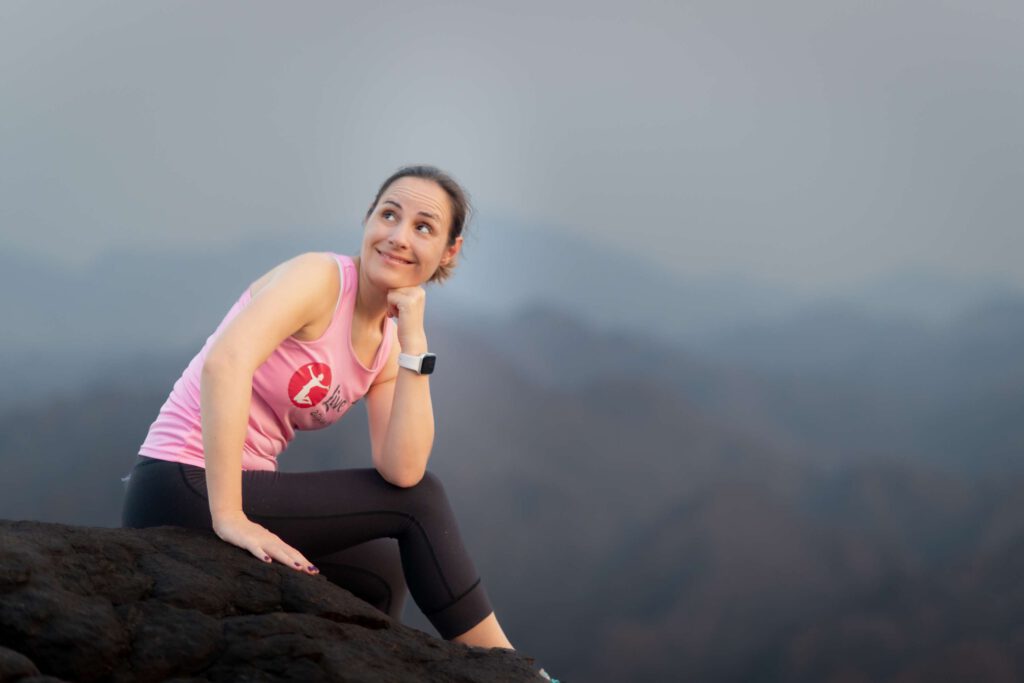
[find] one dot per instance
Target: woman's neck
(371, 303)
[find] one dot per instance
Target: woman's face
(410, 223)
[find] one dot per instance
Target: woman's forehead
(421, 195)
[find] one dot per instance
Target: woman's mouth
(393, 259)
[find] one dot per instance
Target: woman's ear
(452, 251)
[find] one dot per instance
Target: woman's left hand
(407, 305)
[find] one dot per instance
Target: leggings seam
(454, 600)
(188, 484)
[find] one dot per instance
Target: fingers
(288, 556)
(268, 546)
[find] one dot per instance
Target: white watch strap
(410, 361)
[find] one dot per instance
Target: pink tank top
(302, 385)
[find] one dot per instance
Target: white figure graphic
(314, 381)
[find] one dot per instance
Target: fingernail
(313, 569)
(266, 558)
(298, 564)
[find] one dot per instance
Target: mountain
(927, 294)
(894, 573)
(133, 301)
(132, 304)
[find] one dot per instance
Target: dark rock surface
(166, 603)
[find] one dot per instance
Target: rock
(92, 604)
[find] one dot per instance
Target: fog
(816, 145)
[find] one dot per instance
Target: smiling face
(405, 238)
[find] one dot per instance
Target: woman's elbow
(403, 480)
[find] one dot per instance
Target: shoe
(544, 675)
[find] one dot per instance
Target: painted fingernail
(313, 569)
(266, 558)
(298, 564)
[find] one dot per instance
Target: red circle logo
(309, 384)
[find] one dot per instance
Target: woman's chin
(389, 279)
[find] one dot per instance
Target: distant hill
(157, 302)
(831, 382)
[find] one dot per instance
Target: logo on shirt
(309, 384)
(334, 402)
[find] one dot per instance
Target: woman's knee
(431, 483)
(426, 500)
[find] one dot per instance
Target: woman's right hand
(237, 529)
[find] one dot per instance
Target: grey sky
(811, 143)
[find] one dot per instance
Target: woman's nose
(399, 233)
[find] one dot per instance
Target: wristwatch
(422, 364)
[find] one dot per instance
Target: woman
(306, 341)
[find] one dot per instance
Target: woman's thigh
(319, 513)
(161, 492)
(327, 512)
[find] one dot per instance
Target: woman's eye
(388, 213)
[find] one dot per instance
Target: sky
(812, 144)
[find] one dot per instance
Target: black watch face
(428, 364)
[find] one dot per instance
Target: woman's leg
(322, 513)
(487, 633)
(372, 571)
(157, 493)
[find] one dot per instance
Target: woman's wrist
(414, 346)
(222, 516)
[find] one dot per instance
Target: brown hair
(458, 203)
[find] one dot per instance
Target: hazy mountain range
(136, 304)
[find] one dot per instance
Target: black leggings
(340, 520)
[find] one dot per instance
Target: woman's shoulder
(323, 263)
(305, 285)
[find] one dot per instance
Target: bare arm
(294, 297)
(409, 438)
(226, 395)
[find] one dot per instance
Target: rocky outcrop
(99, 604)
